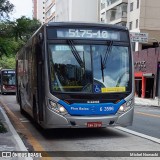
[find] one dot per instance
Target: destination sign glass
(89, 33)
(8, 72)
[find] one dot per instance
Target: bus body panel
(57, 121)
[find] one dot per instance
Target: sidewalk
(10, 140)
(146, 102)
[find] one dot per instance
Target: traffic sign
(139, 37)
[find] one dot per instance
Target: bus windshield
(90, 68)
(8, 78)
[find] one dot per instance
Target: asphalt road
(146, 120)
(108, 139)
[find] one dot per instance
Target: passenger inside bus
(5, 81)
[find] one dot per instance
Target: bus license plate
(94, 124)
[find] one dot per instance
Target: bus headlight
(125, 107)
(57, 107)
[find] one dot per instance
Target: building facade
(34, 8)
(114, 12)
(78, 10)
(140, 16)
(39, 10)
(143, 16)
(147, 73)
(50, 9)
(72, 10)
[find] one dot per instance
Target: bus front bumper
(55, 120)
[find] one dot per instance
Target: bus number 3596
(106, 109)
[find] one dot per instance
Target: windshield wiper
(76, 54)
(104, 61)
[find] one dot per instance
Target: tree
(24, 27)
(7, 43)
(14, 34)
(5, 8)
(8, 62)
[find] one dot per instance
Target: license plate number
(94, 124)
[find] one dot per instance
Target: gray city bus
(77, 75)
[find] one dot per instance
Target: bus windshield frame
(8, 77)
(94, 82)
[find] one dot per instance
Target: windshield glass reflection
(67, 74)
(116, 70)
(78, 68)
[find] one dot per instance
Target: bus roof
(7, 69)
(86, 25)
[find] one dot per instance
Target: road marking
(147, 114)
(24, 131)
(24, 120)
(139, 134)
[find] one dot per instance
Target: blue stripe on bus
(92, 108)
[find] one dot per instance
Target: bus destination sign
(87, 33)
(83, 33)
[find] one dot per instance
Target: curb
(143, 104)
(153, 139)
(14, 133)
(147, 102)
(16, 137)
